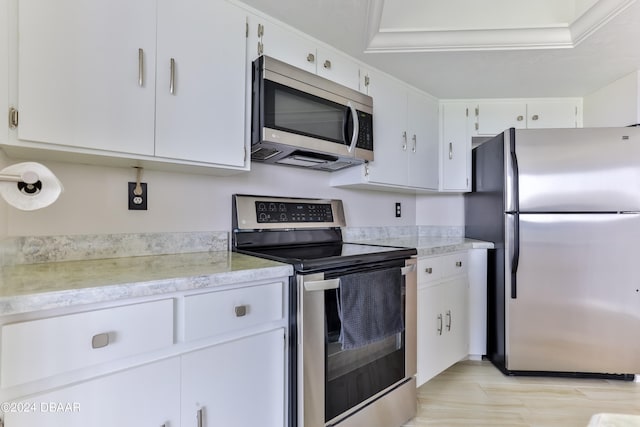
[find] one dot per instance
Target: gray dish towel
(370, 307)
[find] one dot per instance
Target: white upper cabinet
(495, 116)
(158, 80)
(405, 140)
(552, 114)
(268, 37)
(200, 88)
(456, 147)
(422, 125)
(87, 73)
(338, 68)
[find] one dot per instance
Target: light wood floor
(475, 393)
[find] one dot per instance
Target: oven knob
(262, 217)
(272, 207)
(282, 207)
(262, 207)
(283, 217)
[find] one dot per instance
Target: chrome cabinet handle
(448, 320)
(311, 58)
(140, 67)
(415, 143)
(327, 64)
(428, 270)
(534, 117)
(458, 263)
(241, 310)
(100, 340)
(520, 118)
(451, 151)
(404, 141)
(440, 324)
(200, 417)
(172, 77)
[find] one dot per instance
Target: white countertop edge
(76, 297)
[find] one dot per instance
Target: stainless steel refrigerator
(563, 209)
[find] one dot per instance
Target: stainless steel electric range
(352, 311)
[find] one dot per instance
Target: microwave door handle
(356, 127)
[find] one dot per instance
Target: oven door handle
(325, 285)
(322, 285)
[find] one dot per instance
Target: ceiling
(601, 54)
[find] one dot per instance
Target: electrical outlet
(137, 202)
(398, 210)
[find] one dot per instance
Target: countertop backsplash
(41, 249)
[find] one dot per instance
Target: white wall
(4, 209)
(95, 201)
(617, 104)
(440, 209)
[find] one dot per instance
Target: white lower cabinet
(194, 359)
(239, 383)
(145, 396)
(443, 322)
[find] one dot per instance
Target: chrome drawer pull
(448, 320)
(241, 310)
(100, 340)
(428, 270)
(440, 324)
(200, 417)
(458, 263)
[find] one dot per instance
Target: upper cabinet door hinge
(13, 118)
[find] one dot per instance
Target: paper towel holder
(35, 186)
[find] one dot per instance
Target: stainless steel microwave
(301, 119)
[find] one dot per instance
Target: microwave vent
(263, 153)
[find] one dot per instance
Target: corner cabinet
(443, 313)
(158, 80)
(405, 140)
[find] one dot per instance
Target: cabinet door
(390, 138)
(456, 320)
(456, 148)
(496, 117)
(338, 68)
(423, 141)
(145, 396)
(201, 82)
(239, 383)
(4, 69)
(286, 45)
(552, 114)
(432, 357)
(86, 73)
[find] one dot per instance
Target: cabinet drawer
(226, 311)
(430, 269)
(442, 267)
(454, 264)
(41, 348)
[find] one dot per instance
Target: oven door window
(291, 110)
(353, 376)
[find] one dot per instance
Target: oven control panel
(282, 212)
(285, 213)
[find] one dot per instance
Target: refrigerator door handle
(515, 259)
(514, 166)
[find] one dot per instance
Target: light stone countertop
(432, 245)
(31, 287)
